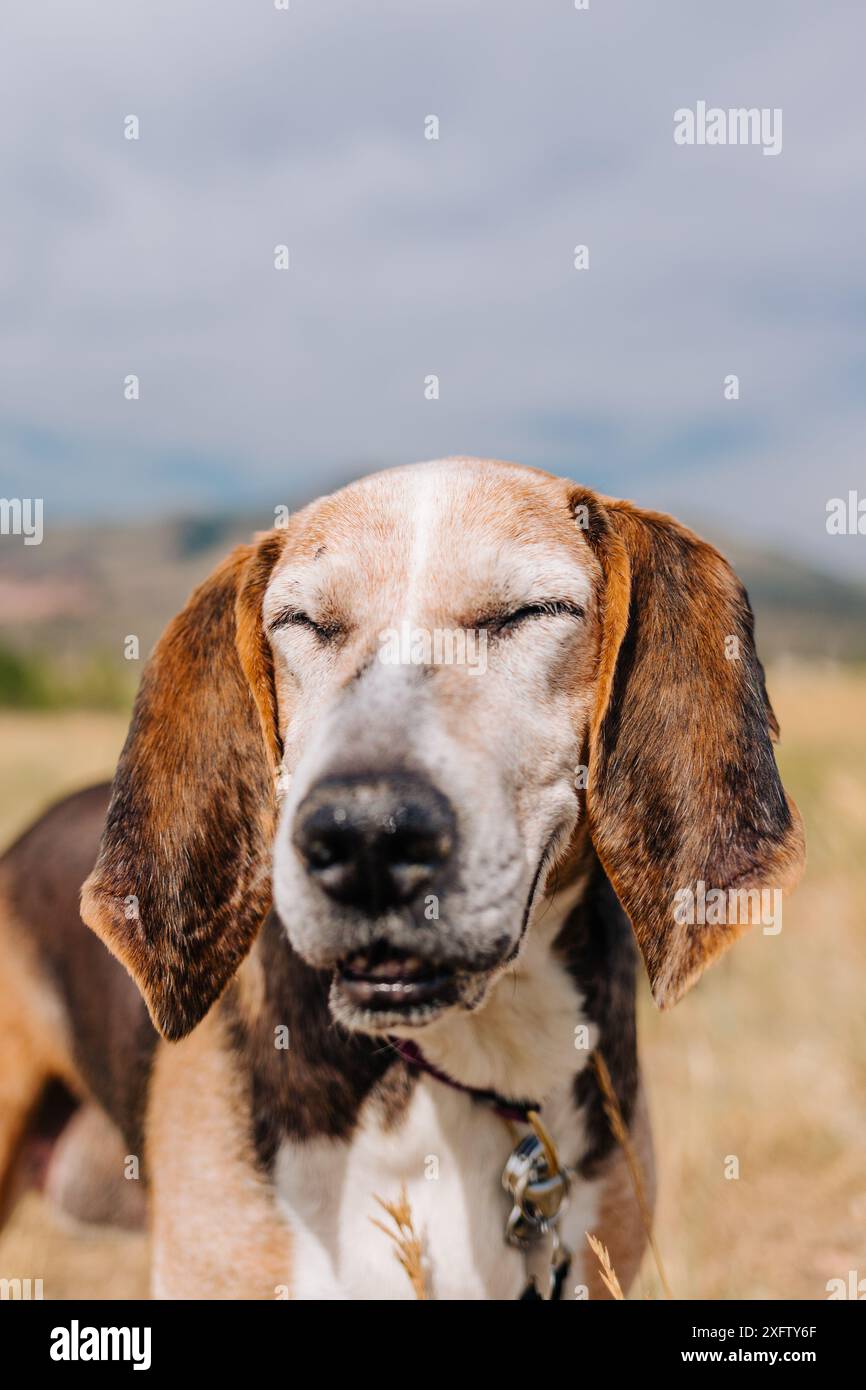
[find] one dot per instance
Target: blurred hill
(67, 606)
(800, 611)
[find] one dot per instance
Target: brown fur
(100, 1040)
(620, 1226)
(216, 1226)
(27, 1063)
(682, 786)
(192, 813)
(86, 1176)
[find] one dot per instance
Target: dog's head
(392, 716)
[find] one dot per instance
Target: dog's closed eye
(548, 608)
(325, 630)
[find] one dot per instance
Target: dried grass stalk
(621, 1134)
(407, 1246)
(608, 1273)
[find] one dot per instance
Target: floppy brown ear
(182, 880)
(683, 787)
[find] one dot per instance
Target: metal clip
(539, 1188)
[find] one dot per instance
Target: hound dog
(374, 909)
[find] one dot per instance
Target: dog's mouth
(386, 980)
(381, 987)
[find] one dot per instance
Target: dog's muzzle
(374, 843)
(380, 854)
(379, 847)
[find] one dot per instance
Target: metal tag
(539, 1193)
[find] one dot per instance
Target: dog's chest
(446, 1154)
(446, 1151)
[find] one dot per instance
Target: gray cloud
(412, 257)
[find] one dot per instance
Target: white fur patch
(448, 1150)
(524, 1041)
(448, 1153)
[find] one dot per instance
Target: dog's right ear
(182, 881)
(683, 786)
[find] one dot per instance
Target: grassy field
(42, 757)
(764, 1062)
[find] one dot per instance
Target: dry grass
(45, 755)
(765, 1060)
(407, 1246)
(608, 1273)
(636, 1173)
(73, 1261)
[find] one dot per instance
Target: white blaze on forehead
(527, 571)
(440, 553)
(427, 500)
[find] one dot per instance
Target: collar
(517, 1110)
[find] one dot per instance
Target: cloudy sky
(410, 257)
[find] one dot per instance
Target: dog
(372, 923)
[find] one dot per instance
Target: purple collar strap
(517, 1110)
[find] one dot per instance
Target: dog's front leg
(216, 1231)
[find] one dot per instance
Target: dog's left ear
(683, 788)
(182, 880)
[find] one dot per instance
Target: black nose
(374, 842)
